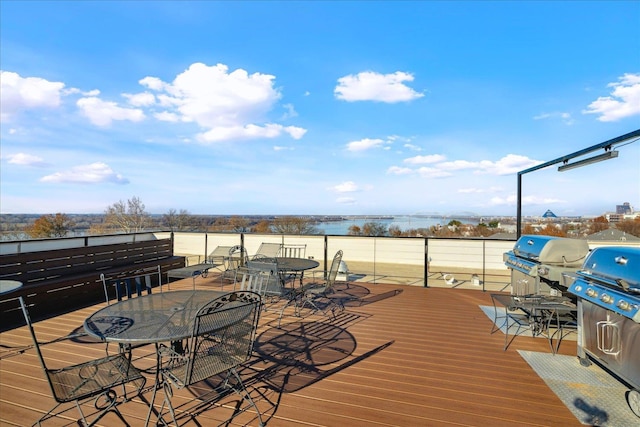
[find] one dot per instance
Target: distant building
(549, 214)
(624, 209)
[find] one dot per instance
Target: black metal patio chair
(222, 340)
(81, 382)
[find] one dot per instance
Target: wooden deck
(397, 356)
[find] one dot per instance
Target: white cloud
(153, 83)
(166, 116)
(457, 165)
(412, 147)
(224, 104)
(94, 173)
(364, 144)
(250, 131)
(346, 187)
(479, 190)
(346, 200)
(295, 132)
(396, 170)
(426, 172)
(290, 112)
(512, 200)
(143, 99)
(565, 117)
(21, 93)
(419, 160)
(281, 148)
(227, 105)
(103, 113)
(25, 160)
(623, 102)
(372, 86)
(509, 164)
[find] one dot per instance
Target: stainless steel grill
(537, 263)
(608, 291)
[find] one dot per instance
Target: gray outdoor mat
(591, 394)
(490, 312)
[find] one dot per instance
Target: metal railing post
(426, 262)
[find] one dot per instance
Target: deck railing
(416, 261)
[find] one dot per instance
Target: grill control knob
(624, 305)
(592, 293)
(607, 299)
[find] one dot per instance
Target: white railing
(407, 260)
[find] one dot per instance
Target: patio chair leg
(245, 394)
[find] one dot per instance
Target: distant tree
(239, 224)
(262, 227)
(354, 230)
(130, 217)
(374, 229)
(293, 225)
(494, 224)
(481, 230)
(454, 223)
(630, 226)
(395, 231)
(417, 232)
(598, 224)
(179, 221)
(100, 228)
(552, 230)
(219, 224)
(50, 226)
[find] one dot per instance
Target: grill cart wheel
(584, 361)
(633, 399)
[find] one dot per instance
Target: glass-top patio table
(160, 317)
(296, 266)
(7, 286)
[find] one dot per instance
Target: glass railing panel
(190, 245)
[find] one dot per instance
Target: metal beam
(564, 159)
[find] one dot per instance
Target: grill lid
(618, 266)
(552, 250)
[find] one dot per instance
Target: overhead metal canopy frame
(607, 146)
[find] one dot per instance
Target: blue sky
(316, 107)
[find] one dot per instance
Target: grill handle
(608, 336)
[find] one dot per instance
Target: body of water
(403, 222)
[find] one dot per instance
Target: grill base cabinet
(608, 292)
(613, 341)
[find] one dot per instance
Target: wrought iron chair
(129, 287)
(565, 323)
(222, 340)
(236, 258)
(92, 379)
(263, 277)
(293, 251)
(312, 293)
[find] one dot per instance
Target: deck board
(397, 356)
